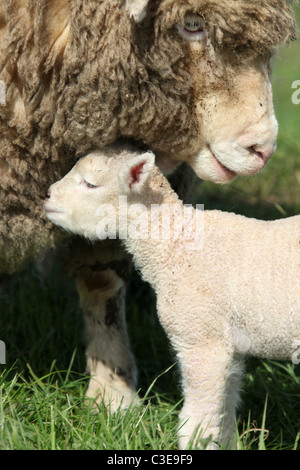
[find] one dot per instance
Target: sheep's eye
(193, 24)
(193, 28)
(89, 185)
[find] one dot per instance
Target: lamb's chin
(54, 216)
(57, 218)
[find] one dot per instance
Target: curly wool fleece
(79, 74)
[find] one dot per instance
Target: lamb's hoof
(197, 443)
(212, 446)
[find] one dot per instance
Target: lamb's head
(91, 191)
(219, 54)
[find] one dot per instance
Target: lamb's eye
(193, 28)
(89, 185)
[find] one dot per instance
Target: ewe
(190, 79)
(230, 290)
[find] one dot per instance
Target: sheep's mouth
(227, 174)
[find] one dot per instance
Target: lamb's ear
(133, 177)
(137, 9)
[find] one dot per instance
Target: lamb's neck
(150, 227)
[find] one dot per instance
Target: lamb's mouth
(51, 210)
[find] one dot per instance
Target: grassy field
(43, 384)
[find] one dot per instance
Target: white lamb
(235, 294)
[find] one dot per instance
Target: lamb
(191, 80)
(229, 292)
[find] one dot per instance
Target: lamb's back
(245, 278)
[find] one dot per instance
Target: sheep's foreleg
(102, 288)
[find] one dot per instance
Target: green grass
(42, 404)
(43, 385)
(42, 388)
(49, 413)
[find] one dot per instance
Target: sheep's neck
(149, 234)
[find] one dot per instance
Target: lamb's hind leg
(101, 274)
(232, 401)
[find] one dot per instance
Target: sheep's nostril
(48, 195)
(263, 153)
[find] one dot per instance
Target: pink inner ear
(135, 173)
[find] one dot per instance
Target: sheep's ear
(134, 176)
(137, 9)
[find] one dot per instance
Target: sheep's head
(216, 55)
(188, 78)
(91, 191)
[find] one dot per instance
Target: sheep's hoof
(116, 396)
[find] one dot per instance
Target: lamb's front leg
(205, 372)
(101, 277)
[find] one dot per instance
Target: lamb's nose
(48, 195)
